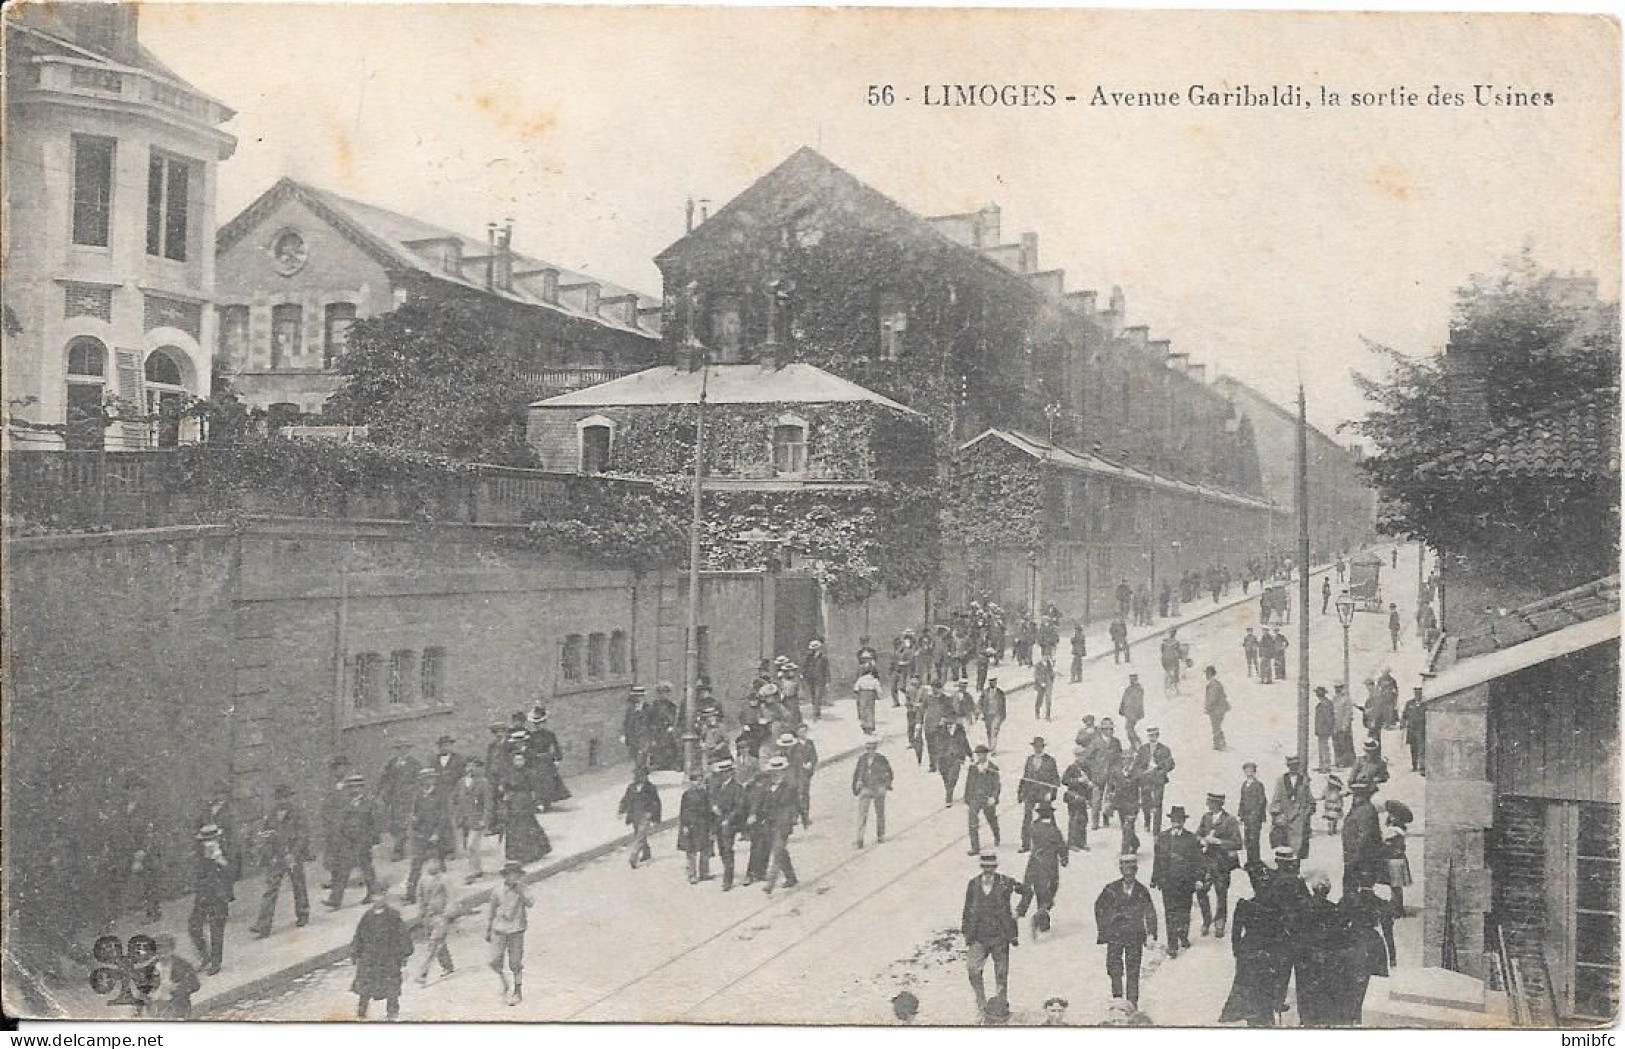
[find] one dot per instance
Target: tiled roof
(724, 384)
(1575, 440)
(1546, 616)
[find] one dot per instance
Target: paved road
(610, 943)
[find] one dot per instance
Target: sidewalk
(581, 830)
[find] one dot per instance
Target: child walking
(1331, 804)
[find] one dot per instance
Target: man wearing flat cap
(284, 848)
(1040, 782)
(990, 927)
(1220, 835)
(1125, 918)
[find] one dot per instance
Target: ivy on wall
(659, 440)
(996, 497)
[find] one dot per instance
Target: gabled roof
(1535, 633)
(1574, 440)
(724, 384)
(388, 236)
(1089, 463)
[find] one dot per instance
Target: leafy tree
(440, 377)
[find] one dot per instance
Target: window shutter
(132, 389)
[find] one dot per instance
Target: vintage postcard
(808, 516)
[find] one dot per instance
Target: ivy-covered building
(948, 316)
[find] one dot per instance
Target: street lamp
(1345, 617)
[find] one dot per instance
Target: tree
(439, 377)
(1539, 346)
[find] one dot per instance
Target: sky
(1267, 243)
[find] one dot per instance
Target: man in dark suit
(1220, 836)
(1040, 781)
(210, 900)
(729, 810)
(286, 847)
(1176, 867)
(952, 748)
(447, 762)
(778, 808)
(350, 842)
(871, 780)
(982, 799)
(1153, 762)
(990, 927)
(1291, 809)
(430, 826)
(1252, 809)
(994, 709)
(1125, 918)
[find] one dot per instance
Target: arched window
(87, 379)
(790, 445)
(166, 394)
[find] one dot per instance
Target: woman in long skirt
(523, 837)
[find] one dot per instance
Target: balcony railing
(550, 382)
(81, 76)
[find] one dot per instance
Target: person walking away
(871, 781)
(1040, 780)
(1216, 706)
(379, 949)
(1125, 918)
(1079, 649)
(470, 815)
(1132, 708)
(1252, 809)
(1325, 595)
(210, 900)
(815, 674)
(396, 788)
(916, 709)
(1279, 647)
(953, 750)
(1171, 656)
(695, 828)
(981, 799)
(1388, 696)
(990, 928)
(1266, 656)
(1331, 803)
(1427, 625)
(640, 807)
(1043, 876)
(779, 809)
(1077, 789)
(1220, 835)
(1176, 868)
(350, 842)
(1291, 809)
(729, 813)
(1154, 763)
(505, 923)
(1119, 635)
(1371, 768)
(1249, 648)
(867, 691)
(434, 914)
(1397, 816)
(1363, 851)
(1125, 598)
(1325, 728)
(285, 848)
(1343, 732)
(1394, 624)
(1415, 723)
(1043, 689)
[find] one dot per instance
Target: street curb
(473, 902)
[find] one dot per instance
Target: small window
(597, 655)
(402, 663)
(618, 661)
(234, 335)
(87, 359)
(433, 671)
(340, 316)
(595, 445)
(570, 658)
(790, 448)
(364, 680)
(893, 326)
(168, 207)
(287, 334)
(92, 190)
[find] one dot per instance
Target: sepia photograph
(494, 495)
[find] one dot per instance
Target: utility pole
(691, 661)
(1303, 580)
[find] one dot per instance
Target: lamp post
(1345, 618)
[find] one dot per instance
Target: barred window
(365, 673)
(618, 661)
(597, 652)
(432, 669)
(401, 664)
(570, 658)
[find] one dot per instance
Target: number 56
(881, 95)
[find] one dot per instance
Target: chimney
(987, 226)
(688, 215)
(1177, 362)
(1160, 349)
(631, 314)
(1198, 372)
(550, 286)
(1137, 336)
(1029, 252)
(1084, 301)
(490, 256)
(590, 299)
(1467, 388)
(504, 260)
(625, 309)
(705, 210)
